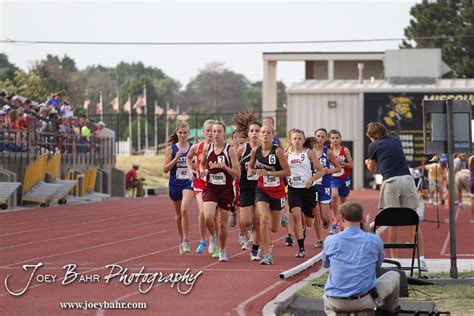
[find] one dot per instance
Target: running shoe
(318, 244)
(181, 252)
(326, 225)
(289, 241)
(223, 256)
(333, 229)
(267, 259)
(284, 220)
(201, 246)
(185, 247)
(246, 245)
(300, 254)
(254, 256)
(232, 219)
(212, 244)
(423, 265)
(241, 239)
(216, 253)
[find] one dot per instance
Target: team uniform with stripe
(179, 177)
(323, 185)
(270, 189)
(219, 185)
(342, 179)
(247, 185)
(298, 195)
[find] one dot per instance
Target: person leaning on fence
(133, 182)
(353, 256)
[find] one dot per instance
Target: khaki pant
(388, 286)
(136, 184)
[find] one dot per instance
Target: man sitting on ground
(132, 181)
(353, 256)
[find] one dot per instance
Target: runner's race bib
(182, 174)
(296, 181)
(271, 181)
(254, 177)
(217, 178)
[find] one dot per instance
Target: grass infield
(457, 299)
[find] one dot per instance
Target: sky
(197, 21)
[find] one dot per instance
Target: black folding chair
(401, 216)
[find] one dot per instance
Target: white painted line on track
(86, 233)
(75, 224)
(68, 216)
(446, 241)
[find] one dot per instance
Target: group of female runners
(252, 180)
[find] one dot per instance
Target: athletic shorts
(176, 192)
(462, 180)
(323, 194)
(275, 204)
(303, 198)
(223, 198)
(247, 197)
(342, 184)
(399, 191)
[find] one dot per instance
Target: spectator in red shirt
(132, 181)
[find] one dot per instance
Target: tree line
(215, 89)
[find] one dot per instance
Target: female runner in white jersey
(305, 169)
(195, 176)
(220, 165)
(270, 163)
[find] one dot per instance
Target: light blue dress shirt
(352, 256)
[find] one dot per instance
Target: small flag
(183, 117)
(159, 111)
(139, 103)
(127, 107)
(115, 104)
(87, 103)
(171, 114)
(98, 108)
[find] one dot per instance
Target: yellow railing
(34, 173)
(89, 180)
(53, 166)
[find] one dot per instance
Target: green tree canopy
(451, 19)
(217, 89)
(7, 69)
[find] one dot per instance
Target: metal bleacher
(35, 189)
(6, 191)
(53, 167)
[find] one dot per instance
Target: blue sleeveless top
(325, 181)
(179, 173)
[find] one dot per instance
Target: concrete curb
(285, 298)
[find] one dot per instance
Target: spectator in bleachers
(54, 101)
(67, 110)
(132, 181)
(103, 131)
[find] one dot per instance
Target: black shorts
(247, 197)
(303, 198)
(275, 204)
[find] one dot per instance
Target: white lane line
(75, 224)
(67, 216)
(446, 241)
(86, 233)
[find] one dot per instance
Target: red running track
(141, 233)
